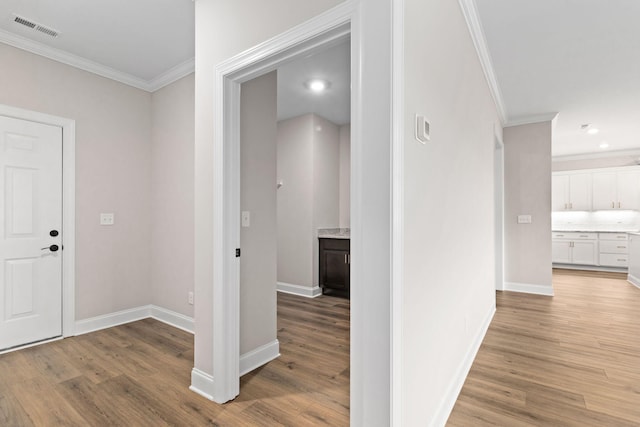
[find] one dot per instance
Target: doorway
(38, 223)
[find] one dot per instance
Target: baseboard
(201, 383)
(258, 357)
(450, 397)
(591, 268)
(172, 318)
(110, 320)
(528, 288)
(633, 280)
(303, 291)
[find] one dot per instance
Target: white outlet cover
(107, 219)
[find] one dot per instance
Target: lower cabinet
(595, 249)
(574, 248)
(334, 266)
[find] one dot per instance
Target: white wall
(527, 175)
(258, 263)
(449, 289)
(224, 29)
(345, 176)
(326, 179)
(295, 201)
(113, 173)
(172, 195)
(309, 167)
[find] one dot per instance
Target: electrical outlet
(191, 298)
(107, 219)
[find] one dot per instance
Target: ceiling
(578, 58)
(144, 43)
(332, 65)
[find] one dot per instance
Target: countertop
(334, 233)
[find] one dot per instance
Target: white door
(580, 192)
(30, 232)
(605, 191)
(629, 190)
(559, 190)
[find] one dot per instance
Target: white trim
(172, 318)
(529, 120)
(81, 63)
(470, 12)
(302, 291)
(33, 344)
(202, 383)
(498, 176)
(397, 212)
(451, 395)
(529, 288)
(633, 280)
(599, 155)
(68, 206)
(260, 356)
(591, 267)
(112, 319)
(329, 27)
(176, 73)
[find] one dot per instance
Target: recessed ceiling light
(604, 145)
(317, 85)
(593, 131)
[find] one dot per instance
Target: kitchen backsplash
(596, 221)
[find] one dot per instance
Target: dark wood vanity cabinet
(335, 260)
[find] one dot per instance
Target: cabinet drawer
(572, 235)
(614, 260)
(613, 247)
(613, 236)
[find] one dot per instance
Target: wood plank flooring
(138, 375)
(570, 360)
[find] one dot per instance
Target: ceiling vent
(35, 26)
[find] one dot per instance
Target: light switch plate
(246, 218)
(524, 219)
(107, 219)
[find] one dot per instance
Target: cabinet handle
(621, 247)
(584, 235)
(345, 258)
(566, 206)
(619, 205)
(570, 205)
(613, 205)
(348, 258)
(622, 237)
(621, 259)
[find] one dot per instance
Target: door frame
(68, 205)
(323, 31)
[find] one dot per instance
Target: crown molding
(634, 152)
(470, 12)
(529, 120)
(172, 75)
(79, 62)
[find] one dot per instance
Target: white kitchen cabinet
(571, 191)
(614, 249)
(616, 190)
(574, 248)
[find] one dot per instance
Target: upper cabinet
(616, 190)
(571, 192)
(596, 189)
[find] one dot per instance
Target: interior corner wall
(345, 176)
(295, 201)
(258, 241)
(172, 233)
(309, 168)
(527, 175)
(449, 250)
(113, 173)
(326, 182)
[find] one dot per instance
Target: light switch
(524, 219)
(107, 219)
(246, 218)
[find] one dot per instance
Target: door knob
(53, 233)
(52, 248)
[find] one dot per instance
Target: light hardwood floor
(570, 360)
(138, 375)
